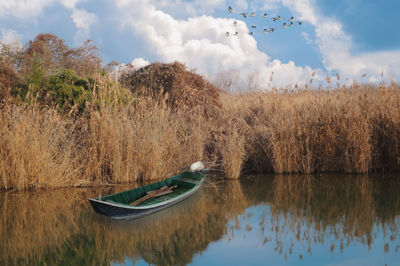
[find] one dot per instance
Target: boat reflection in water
(261, 219)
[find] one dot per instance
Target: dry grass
(354, 129)
(36, 148)
(143, 142)
(121, 138)
(173, 83)
(114, 142)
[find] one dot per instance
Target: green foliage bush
(63, 89)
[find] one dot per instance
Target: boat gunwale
(126, 206)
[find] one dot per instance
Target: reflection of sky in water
(266, 220)
(248, 245)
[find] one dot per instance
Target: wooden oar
(155, 193)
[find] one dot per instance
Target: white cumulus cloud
(201, 43)
(139, 62)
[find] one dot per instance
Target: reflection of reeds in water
(59, 227)
(30, 223)
(348, 208)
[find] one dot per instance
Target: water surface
(257, 220)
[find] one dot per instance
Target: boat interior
(180, 183)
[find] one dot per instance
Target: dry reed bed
(113, 142)
(355, 129)
(121, 139)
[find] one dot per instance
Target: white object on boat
(197, 166)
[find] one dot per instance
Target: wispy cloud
(32, 9)
(82, 20)
(336, 46)
(23, 9)
(10, 37)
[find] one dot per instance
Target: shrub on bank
(63, 90)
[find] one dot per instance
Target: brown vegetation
(64, 130)
(8, 79)
(113, 142)
(352, 129)
(51, 53)
(181, 88)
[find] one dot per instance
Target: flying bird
(269, 30)
(230, 9)
(265, 15)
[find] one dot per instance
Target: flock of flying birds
(290, 22)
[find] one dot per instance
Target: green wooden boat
(119, 205)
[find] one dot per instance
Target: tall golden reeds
(122, 137)
(352, 129)
(36, 148)
(118, 139)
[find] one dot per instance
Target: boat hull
(118, 210)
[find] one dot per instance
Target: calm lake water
(257, 220)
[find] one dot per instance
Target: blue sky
(351, 38)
